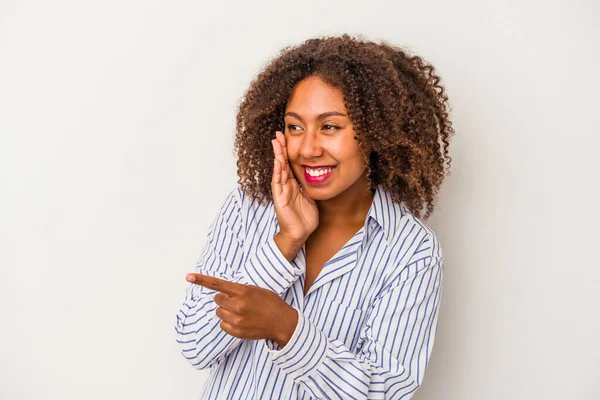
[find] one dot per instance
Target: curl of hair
(395, 101)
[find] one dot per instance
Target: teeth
(318, 172)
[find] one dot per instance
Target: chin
(320, 192)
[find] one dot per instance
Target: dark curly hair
(395, 101)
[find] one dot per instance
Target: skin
(318, 132)
(320, 217)
(397, 103)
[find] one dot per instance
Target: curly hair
(395, 102)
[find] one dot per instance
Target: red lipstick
(319, 179)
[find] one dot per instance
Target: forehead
(312, 96)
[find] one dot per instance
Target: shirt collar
(385, 213)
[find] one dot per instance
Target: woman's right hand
(297, 214)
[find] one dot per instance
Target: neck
(348, 208)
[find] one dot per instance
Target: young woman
(319, 279)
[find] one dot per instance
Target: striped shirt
(365, 328)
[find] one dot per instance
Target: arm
(202, 341)
(200, 338)
(396, 342)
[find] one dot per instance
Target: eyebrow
(320, 116)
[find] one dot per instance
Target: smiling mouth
(317, 175)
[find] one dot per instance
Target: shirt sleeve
(201, 340)
(394, 346)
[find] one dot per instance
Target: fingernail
(190, 278)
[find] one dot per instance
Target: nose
(311, 144)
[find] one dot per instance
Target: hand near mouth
(297, 213)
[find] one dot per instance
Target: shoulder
(245, 204)
(411, 239)
(429, 245)
(413, 248)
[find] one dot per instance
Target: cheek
(358, 164)
(355, 165)
(293, 149)
(349, 153)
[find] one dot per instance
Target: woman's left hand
(248, 311)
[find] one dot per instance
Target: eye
(330, 127)
(292, 128)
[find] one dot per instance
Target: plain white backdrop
(116, 134)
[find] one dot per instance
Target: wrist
(290, 321)
(289, 247)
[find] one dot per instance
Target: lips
(315, 175)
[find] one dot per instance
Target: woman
(319, 280)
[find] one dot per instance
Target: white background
(116, 133)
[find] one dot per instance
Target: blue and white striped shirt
(365, 328)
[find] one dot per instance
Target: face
(322, 151)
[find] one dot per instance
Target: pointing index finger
(221, 285)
